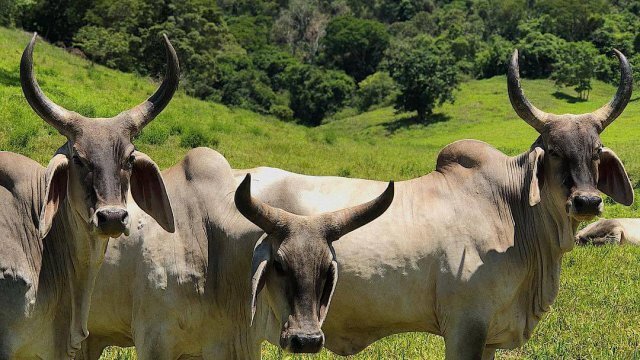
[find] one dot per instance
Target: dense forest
(308, 59)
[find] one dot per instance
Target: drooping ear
(535, 157)
(327, 292)
(613, 179)
(261, 258)
(56, 177)
(147, 189)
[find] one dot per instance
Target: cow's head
(98, 165)
(569, 158)
(295, 259)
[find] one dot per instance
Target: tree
(425, 72)
(106, 46)
(539, 53)
(316, 93)
(574, 19)
(355, 45)
(300, 27)
(575, 67)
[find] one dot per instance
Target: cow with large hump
(471, 251)
(194, 293)
(56, 221)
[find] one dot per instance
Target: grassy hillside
(597, 314)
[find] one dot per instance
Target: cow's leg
(222, 349)
(489, 354)
(92, 349)
(466, 340)
(155, 343)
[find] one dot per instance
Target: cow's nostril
(579, 202)
(102, 218)
(307, 343)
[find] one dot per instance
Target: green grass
(597, 313)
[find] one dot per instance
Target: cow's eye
(78, 161)
(129, 163)
(597, 154)
(279, 267)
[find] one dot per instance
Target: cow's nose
(112, 221)
(306, 343)
(587, 204)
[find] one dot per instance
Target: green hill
(597, 314)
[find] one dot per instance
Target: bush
(316, 93)
(282, 112)
(378, 89)
(196, 138)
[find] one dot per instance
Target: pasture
(597, 313)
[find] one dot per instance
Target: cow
(610, 231)
(194, 293)
(56, 221)
(471, 251)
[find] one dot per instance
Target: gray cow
(610, 231)
(56, 221)
(471, 251)
(193, 294)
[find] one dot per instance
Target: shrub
(282, 112)
(378, 89)
(195, 138)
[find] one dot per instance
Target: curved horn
(142, 114)
(264, 216)
(609, 112)
(344, 221)
(529, 113)
(57, 116)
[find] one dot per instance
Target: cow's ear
(613, 179)
(261, 258)
(147, 189)
(536, 158)
(56, 177)
(327, 293)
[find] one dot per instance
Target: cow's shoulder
(468, 154)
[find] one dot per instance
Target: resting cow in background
(187, 294)
(610, 231)
(471, 251)
(56, 221)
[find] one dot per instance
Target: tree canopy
(310, 58)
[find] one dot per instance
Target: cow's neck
(231, 242)
(543, 233)
(71, 260)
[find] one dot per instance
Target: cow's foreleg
(466, 340)
(489, 354)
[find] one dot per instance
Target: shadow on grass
(407, 121)
(9, 78)
(635, 99)
(568, 98)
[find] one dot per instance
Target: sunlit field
(597, 313)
